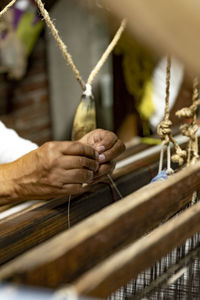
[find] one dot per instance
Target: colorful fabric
(19, 30)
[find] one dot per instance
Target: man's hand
(107, 144)
(54, 169)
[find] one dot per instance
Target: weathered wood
(117, 270)
(34, 225)
(63, 258)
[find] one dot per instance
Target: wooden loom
(106, 250)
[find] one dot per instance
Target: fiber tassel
(85, 117)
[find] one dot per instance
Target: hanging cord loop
(164, 127)
(66, 54)
(190, 129)
(164, 131)
(107, 52)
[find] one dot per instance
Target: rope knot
(179, 156)
(185, 112)
(189, 130)
(164, 130)
(188, 112)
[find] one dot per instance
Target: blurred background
(39, 93)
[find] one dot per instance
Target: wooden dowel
(88, 243)
(117, 270)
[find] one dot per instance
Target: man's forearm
(8, 189)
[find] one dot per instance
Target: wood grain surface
(125, 265)
(65, 257)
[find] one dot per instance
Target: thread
(114, 186)
(68, 211)
(6, 8)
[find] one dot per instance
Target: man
(56, 168)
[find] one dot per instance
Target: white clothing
(12, 146)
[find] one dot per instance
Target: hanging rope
(105, 55)
(7, 8)
(85, 86)
(66, 54)
(60, 43)
(164, 131)
(191, 128)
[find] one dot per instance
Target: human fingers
(105, 169)
(112, 153)
(106, 141)
(78, 162)
(100, 139)
(77, 176)
(70, 148)
(72, 189)
(77, 148)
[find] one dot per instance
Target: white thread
(88, 90)
(161, 158)
(169, 170)
(68, 211)
(114, 186)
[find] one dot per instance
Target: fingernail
(101, 157)
(100, 148)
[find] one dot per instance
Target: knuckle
(82, 161)
(49, 154)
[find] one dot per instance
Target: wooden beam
(34, 225)
(125, 265)
(71, 253)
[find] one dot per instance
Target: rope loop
(189, 130)
(179, 156)
(164, 131)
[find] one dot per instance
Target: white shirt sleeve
(12, 146)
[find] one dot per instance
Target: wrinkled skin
(109, 147)
(59, 168)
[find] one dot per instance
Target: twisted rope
(109, 49)
(60, 43)
(190, 129)
(164, 127)
(6, 8)
(66, 54)
(164, 131)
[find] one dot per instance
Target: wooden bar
(71, 253)
(24, 230)
(125, 265)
